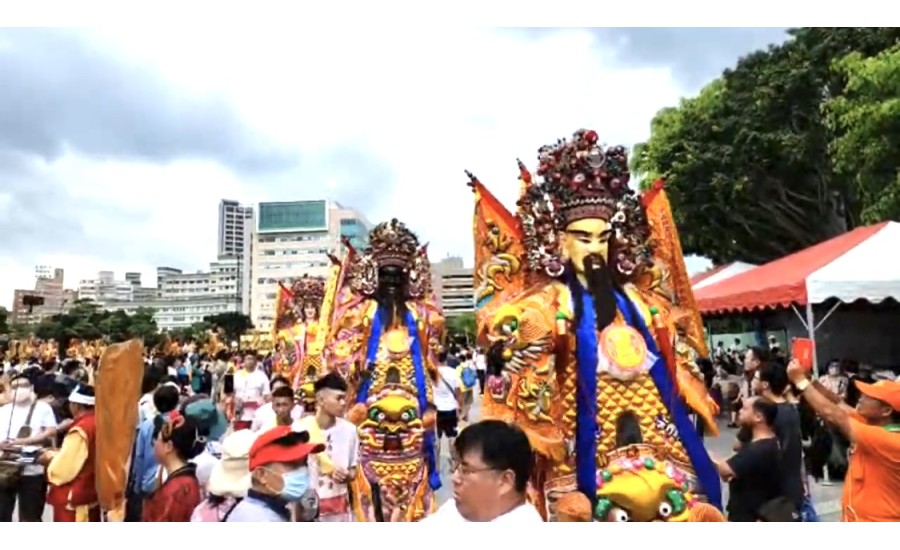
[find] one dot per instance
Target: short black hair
(761, 354)
(331, 381)
(775, 374)
(767, 409)
(442, 356)
(283, 391)
(166, 398)
(503, 446)
(280, 380)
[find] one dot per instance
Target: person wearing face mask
(279, 476)
(25, 416)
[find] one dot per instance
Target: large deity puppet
(578, 311)
(299, 338)
(383, 331)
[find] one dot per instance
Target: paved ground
(825, 497)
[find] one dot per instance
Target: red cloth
(176, 499)
(82, 490)
(64, 515)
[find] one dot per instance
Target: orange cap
(884, 390)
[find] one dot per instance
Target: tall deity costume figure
(300, 338)
(577, 300)
(384, 322)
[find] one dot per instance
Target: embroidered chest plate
(623, 353)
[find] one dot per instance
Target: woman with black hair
(177, 440)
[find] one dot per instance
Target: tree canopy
(461, 325)
(769, 158)
(86, 321)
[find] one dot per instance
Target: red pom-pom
(591, 137)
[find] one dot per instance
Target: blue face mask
(296, 483)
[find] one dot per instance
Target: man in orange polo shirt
(872, 485)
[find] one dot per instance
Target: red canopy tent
(781, 283)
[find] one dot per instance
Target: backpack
(469, 379)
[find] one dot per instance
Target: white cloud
(425, 103)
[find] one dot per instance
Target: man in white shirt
(251, 387)
(21, 420)
(332, 470)
(264, 418)
(447, 399)
(480, 367)
(491, 477)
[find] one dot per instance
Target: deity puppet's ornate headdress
(579, 179)
(391, 244)
(308, 291)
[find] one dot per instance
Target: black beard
(602, 288)
(391, 299)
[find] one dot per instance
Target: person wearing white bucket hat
(229, 480)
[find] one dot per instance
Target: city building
(176, 313)
(49, 297)
(293, 239)
(232, 219)
(105, 288)
(453, 285)
(179, 299)
(221, 281)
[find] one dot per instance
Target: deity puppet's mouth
(392, 442)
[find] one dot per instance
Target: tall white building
(233, 217)
(453, 286)
(292, 239)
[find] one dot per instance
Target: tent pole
(811, 330)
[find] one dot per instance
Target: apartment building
(48, 287)
(453, 284)
(293, 239)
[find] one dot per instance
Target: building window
(293, 216)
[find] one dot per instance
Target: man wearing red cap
(279, 475)
(872, 485)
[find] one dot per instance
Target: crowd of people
(223, 440)
(270, 462)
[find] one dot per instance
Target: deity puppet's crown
(393, 244)
(309, 290)
(586, 180)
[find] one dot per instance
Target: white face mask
(834, 371)
(22, 395)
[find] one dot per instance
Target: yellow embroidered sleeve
(70, 459)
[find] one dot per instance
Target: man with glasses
(490, 476)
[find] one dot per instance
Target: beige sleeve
(70, 459)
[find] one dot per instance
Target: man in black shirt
(753, 473)
(771, 382)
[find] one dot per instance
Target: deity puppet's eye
(374, 414)
(408, 415)
(665, 509)
(618, 515)
(510, 325)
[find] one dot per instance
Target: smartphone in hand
(802, 350)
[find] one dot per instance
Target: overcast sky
(116, 147)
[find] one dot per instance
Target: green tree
(20, 331)
(461, 325)
(233, 324)
(4, 318)
(864, 124)
(86, 321)
(747, 161)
